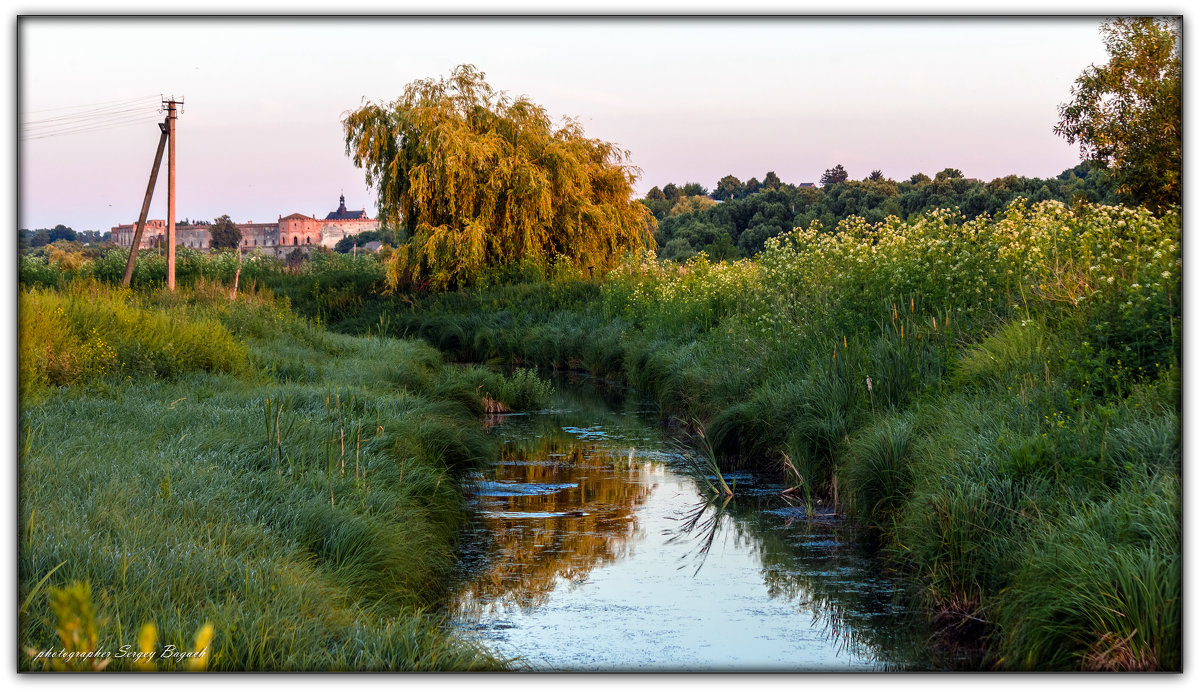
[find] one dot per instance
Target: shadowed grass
(314, 533)
(1102, 588)
(878, 470)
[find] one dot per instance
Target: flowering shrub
(678, 297)
(1119, 266)
(1030, 257)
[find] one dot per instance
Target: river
(593, 548)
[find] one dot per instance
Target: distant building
(289, 233)
(807, 185)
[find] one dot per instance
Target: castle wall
(296, 230)
(280, 238)
(123, 235)
(334, 231)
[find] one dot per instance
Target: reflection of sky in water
(580, 563)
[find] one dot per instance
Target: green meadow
(201, 469)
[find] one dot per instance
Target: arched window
(295, 240)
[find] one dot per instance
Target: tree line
(29, 239)
(735, 219)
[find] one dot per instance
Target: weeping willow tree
(479, 180)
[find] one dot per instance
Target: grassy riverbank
(192, 460)
(997, 400)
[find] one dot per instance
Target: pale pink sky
(692, 99)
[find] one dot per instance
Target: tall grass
(965, 388)
(1101, 588)
(311, 521)
(878, 468)
(89, 331)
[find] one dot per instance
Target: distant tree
(1128, 114)
(347, 244)
(752, 186)
(834, 175)
(918, 178)
(40, 238)
(224, 233)
(693, 203)
(729, 187)
(60, 232)
(677, 249)
(722, 249)
(383, 235)
(694, 190)
(948, 174)
(482, 180)
(658, 204)
(772, 181)
(672, 192)
(876, 175)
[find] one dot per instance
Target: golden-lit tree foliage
(1128, 114)
(479, 179)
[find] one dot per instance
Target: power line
(85, 121)
(91, 128)
(84, 125)
(91, 117)
(95, 117)
(97, 103)
(88, 114)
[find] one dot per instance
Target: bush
(523, 390)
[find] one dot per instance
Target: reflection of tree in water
(557, 508)
(703, 523)
(819, 567)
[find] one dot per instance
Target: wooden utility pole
(171, 191)
(141, 224)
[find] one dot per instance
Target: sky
(691, 99)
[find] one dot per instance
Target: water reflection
(554, 507)
(701, 524)
(817, 563)
(593, 549)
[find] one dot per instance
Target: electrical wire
(93, 118)
(97, 103)
(106, 120)
(92, 128)
(74, 117)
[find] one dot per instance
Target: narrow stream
(594, 549)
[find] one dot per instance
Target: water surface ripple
(593, 549)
